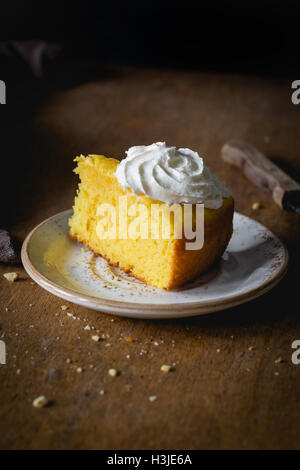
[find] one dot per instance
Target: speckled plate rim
(141, 310)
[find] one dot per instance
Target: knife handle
(259, 169)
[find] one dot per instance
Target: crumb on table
(256, 206)
(40, 402)
(278, 360)
(96, 338)
(11, 277)
(152, 398)
(165, 368)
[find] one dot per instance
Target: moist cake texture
(163, 263)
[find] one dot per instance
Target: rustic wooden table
(221, 395)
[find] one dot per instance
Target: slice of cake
(121, 212)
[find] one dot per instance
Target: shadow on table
(278, 305)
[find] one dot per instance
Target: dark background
(240, 36)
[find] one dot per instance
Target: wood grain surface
(225, 390)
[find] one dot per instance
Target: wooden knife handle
(258, 169)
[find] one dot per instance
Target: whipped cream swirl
(170, 175)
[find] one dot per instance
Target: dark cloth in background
(9, 248)
(31, 56)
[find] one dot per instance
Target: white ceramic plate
(253, 263)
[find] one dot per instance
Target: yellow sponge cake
(108, 220)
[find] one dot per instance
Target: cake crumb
(101, 392)
(256, 206)
(96, 338)
(64, 307)
(112, 372)
(18, 371)
(11, 277)
(251, 348)
(87, 327)
(40, 402)
(129, 339)
(79, 370)
(278, 360)
(152, 398)
(71, 315)
(68, 360)
(165, 368)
